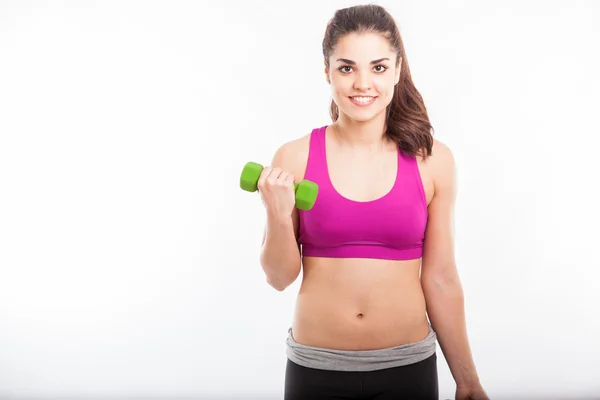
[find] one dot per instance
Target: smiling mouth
(362, 100)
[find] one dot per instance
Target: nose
(362, 81)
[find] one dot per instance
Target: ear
(326, 72)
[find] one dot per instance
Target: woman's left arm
(439, 276)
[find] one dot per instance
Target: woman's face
(362, 75)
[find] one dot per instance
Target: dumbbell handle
(305, 191)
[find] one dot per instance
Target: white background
(129, 257)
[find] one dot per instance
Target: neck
(368, 135)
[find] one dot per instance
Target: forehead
(363, 48)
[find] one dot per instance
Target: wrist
(469, 384)
(468, 378)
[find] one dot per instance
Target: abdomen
(359, 304)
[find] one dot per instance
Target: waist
(360, 360)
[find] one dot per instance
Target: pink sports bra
(391, 227)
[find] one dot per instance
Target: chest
(362, 178)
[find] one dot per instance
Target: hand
(471, 393)
(276, 189)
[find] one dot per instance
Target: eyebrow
(345, 60)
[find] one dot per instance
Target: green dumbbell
(306, 191)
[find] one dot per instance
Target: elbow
(280, 273)
(280, 283)
(281, 278)
(279, 286)
(438, 284)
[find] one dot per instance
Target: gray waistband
(360, 360)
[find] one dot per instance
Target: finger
(274, 175)
(290, 179)
(264, 175)
(283, 178)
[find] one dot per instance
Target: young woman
(380, 283)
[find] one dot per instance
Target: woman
(376, 250)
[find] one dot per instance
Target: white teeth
(362, 99)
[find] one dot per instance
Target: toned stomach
(359, 304)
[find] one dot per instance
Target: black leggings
(414, 381)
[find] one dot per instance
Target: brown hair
(407, 121)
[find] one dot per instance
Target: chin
(361, 118)
(362, 115)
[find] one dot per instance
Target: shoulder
(442, 167)
(437, 170)
(441, 156)
(292, 156)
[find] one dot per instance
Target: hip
(322, 358)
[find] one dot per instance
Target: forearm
(445, 308)
(280, 255)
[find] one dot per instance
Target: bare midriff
(359, 304)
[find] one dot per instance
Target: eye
(382, 68)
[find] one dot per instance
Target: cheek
(341, 86)
(385, 87)
(341, 92)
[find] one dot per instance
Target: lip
(356, 103)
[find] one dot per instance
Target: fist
(277, 192)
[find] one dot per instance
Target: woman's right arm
(280, 252)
